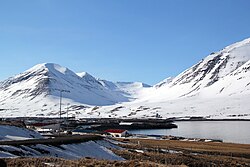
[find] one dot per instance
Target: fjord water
(228, 131)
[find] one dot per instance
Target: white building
(117, 132)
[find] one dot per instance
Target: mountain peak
(211, 73)
(83, 74)
(217, 85)
(237, 45)
(49, 67)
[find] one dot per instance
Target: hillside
(17, 133)
(216, 87)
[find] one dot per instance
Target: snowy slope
(99, 149)
(132, 90)
(37, 91)
(221, 73)
(164, 82)
(93, 149)
(216, 87)
(16, 133)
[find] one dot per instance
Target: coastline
(202, 119)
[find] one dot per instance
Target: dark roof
(84, 130)
(41, 124)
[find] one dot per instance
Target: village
(70, 126)
(60, 134)
(104, 127)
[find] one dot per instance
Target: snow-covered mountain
(216, 87)
(132, 90)
(224, 73)
(37, 91)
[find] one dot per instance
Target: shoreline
(204, 119)
(129, 119)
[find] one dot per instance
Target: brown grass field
(210, 148)
(193, 154)
(190, 153)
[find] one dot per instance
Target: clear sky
(118, 40)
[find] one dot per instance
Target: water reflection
(228, 131)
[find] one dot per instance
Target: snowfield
(98, 149)
(216, 87)
(91, 149)
(17, 133)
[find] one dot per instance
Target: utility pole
(67, 111)
(61, 90)
(60, 105)
(67, 122)
(60, 111)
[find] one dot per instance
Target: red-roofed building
(117, 132)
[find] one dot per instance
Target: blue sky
(118, 40)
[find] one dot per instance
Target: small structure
(44, 127)
(126, 123)
(117, 132)
(83, 131)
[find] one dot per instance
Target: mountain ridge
(39, 87)
(221, 75)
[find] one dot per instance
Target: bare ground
(187, 153)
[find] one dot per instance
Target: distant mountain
(132, 90)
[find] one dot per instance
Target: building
(117, 132)
(126, 123)
(44, 127)
(83, 131)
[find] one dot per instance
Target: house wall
(123, 134)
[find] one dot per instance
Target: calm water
(228, 131)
